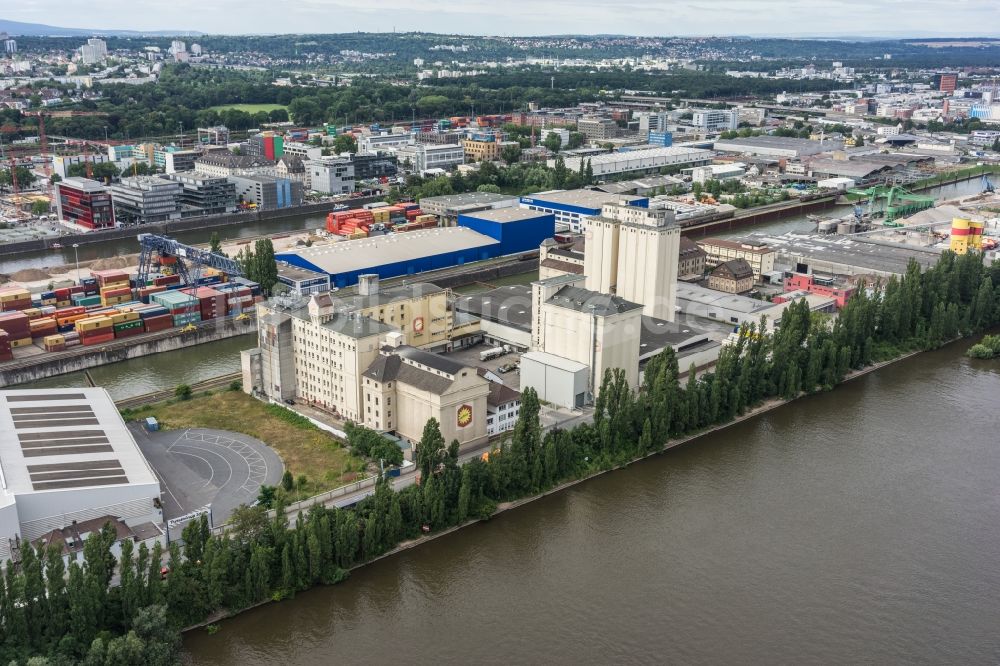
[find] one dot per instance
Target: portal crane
(154, 247)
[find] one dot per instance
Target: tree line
(65, 616)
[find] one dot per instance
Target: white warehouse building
(642, 160)
(67, 457)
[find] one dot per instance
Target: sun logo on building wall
(464, 416)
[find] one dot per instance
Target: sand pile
(111, 263)
(29, 275)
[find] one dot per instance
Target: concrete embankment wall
(175, 226)
(82, 358)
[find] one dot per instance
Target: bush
(290, 417)
(235, 385)
(988, 347)
(183, 391)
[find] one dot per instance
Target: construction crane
(893, 202)
(189, 260)
(44, 145)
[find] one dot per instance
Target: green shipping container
(128, 325)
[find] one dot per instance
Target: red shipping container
(167, 280)
(160, 323)
(11, 306)
(15, 323)
(97, 338)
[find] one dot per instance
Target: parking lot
(470, 357)
(198, 467)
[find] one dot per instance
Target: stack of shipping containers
(184, 308)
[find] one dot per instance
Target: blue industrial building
(394, 255)
(571, 206)
(517, 229)
(661, 139)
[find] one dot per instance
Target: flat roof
(291, 272)
(65, 439)
(862, 253)
(783, 142)
(466, 198)
(559, 362)
(594, 302)
(585, 198)
(509, 305)
(84, 184)
(366, 253)
(511, 214)
(710, 297)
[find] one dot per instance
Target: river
(856, 526)
(313, 221)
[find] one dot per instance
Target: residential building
(715, 120)
(733, 277)
(268, 192)
(331, 175)
(596, 128)
(503, 405)
(690, 259)
(759, 255)
(204, 195)
(94, 51)
(84, 202)
(633, 252)
(10, 46)
(423, 157)
(67, 458)
(224, 163)
(946, 82)
(144, 199)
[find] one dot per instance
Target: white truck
(495, 352)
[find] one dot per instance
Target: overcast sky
(526, 17)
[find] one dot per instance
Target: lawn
(304, 448)
(249, 108)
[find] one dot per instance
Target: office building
(67, 457)
(759, 255)
(423, 157)
(330, 175)
(663, 139)
(597, 128)
(375, 166)
(715, 120)
(144, 199)
(171, 159)
(61, 164)
(633, 252)
(733, 277)
(268, 192)
(573, 207)
(651, 121)
(302, 281)
(204, 195)
(371, 144)
(946, 82)
(84, 202)
(485, 147)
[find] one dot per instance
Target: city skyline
(893, 18)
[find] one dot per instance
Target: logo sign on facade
(464, 416)
(418, 325)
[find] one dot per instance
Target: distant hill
(17, 28)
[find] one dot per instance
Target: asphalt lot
(200, 466)
(470, 357)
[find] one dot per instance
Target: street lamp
(76, 254)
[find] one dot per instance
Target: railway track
(211, 384)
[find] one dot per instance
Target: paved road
(202, 466)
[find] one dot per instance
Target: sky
(528, 17)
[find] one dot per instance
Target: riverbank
(504, 507)
(41, 364)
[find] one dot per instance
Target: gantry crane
(156, 247)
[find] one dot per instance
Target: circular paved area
(198, 467)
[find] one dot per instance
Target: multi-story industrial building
(330, 175)
(597, 128)
(67, 458)
(425, 157)
(759, 255)
(715, 120)
(733, 277)
(213, 136)
(144, 199)
(405, 387)
(204, 195)
(268, 192)
(598, 330)
(84, 202)
(633, 252)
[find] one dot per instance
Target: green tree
(429, 449)
(215, 244)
